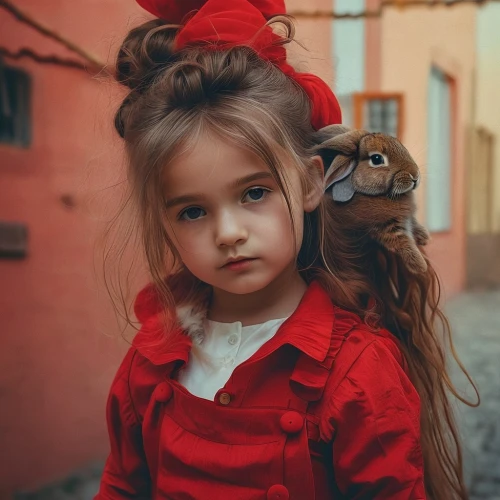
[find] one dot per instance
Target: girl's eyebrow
(193, 198)
(252, 177)
(181, 200)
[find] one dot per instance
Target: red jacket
(323, 410)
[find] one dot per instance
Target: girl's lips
(239, 264)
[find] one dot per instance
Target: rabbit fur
(371, 178)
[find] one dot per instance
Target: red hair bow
(227, 23)
(174, 11)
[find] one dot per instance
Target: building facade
(483, 179)
(60, 340)
(410, 72)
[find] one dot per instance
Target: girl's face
(228, 219)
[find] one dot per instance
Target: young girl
(260, 370)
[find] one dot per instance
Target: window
(439, 151)
(348, 47)
(379, 112)
(13, 240)
(481, 182)
(15, 104)
(381, 115)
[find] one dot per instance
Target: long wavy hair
(174, 95)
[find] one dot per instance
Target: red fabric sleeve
(126, 474)
(374, 415)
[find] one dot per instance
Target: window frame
(360, 98)
(23, 115)
(451, 83)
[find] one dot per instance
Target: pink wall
(373, 48)
(315, 34)
(60, 342)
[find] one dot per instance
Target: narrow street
(475, 318)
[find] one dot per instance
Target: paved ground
(475, 319)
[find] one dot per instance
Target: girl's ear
(316, 188)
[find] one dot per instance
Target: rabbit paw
(421, 235)
(414, 261)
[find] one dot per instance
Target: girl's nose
(230, 230)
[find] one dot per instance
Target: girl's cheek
(190, 236)
(175, 231)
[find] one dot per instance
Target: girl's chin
(241, 285)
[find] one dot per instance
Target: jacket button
(224, 398)
(278, 492)
(163, 392)
(292, 422)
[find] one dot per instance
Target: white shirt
(216, 354)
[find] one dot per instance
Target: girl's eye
(255, 194)
(378, 160)
(192, 213)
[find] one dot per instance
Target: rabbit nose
(416, 180)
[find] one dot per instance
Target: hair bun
(200, 77)
(146, 50)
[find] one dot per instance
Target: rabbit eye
(377, 160)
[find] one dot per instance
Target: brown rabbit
(371, 178)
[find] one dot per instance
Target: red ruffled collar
(317, 328)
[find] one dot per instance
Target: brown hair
(176, 95)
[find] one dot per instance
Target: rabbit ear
(341, 167)
(329, 132)
(343, 191)
(346, 142)
(339, 176)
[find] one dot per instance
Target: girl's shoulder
(148, 361)
(367, 351)
(133, 385)
(358, 337)
(369, 377)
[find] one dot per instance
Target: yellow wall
(414, 39)
(487, 113)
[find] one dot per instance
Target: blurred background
(426, 71)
